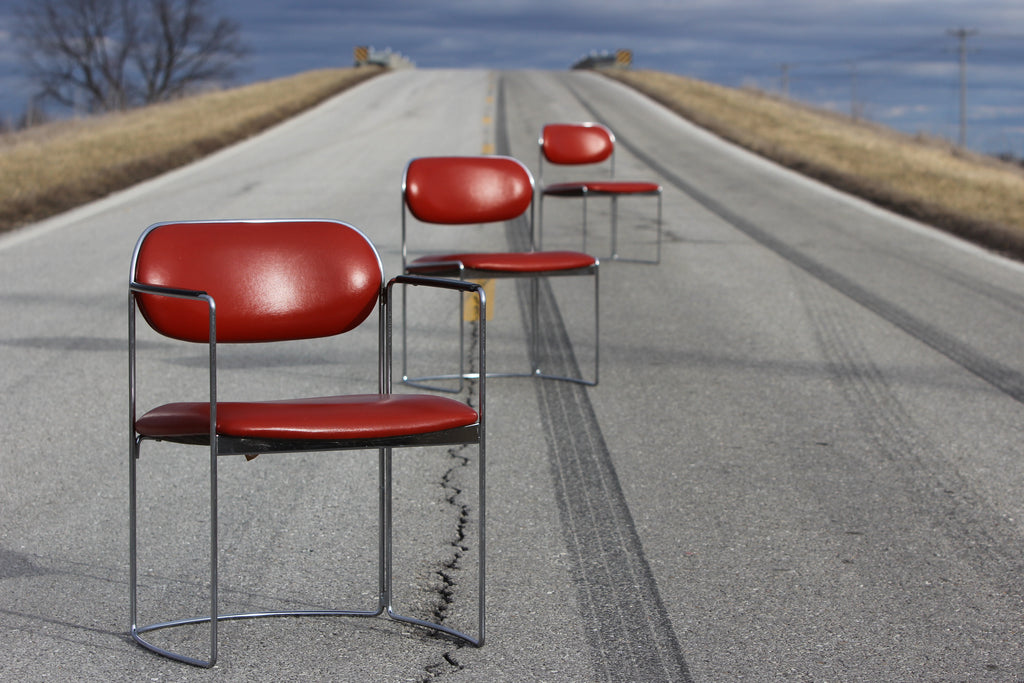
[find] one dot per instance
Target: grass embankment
(977, 197)
(57, 166)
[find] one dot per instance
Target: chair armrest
(442, 282)
(167, 291)
(446, 267)
(179, 293)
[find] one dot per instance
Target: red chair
(226, 282)
(474, 190)
(578, 144)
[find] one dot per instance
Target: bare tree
(183, 47)
(113, 54)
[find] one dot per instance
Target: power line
(923, 46)
(907, 83)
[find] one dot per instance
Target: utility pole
(962, 35)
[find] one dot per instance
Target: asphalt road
(802, 460)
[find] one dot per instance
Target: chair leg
(584, 221)
(658, 257)
(482, 543)
(386, 511)
(615, 227)
(133, 525)
(214, 618)
(460, 375)
(214, 544)
(540, 221)
(614, 235)
(534, 343)
(597, 327)
(405, 337)
(388, 555)
(534, 337)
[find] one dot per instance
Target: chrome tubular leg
(482, 540)
(214, 575)
(584, 197)
(133, 525)
(540, 221)
(615, 227)
(597, 326)
(535, 324)
(658, 256)
(386, 529)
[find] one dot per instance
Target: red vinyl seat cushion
(601, 187)
(508, 262)
(364, 416)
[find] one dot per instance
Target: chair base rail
(421, 382)
(138, 631)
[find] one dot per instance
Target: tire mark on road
(627, 627)
(999, 375)
(962, 513)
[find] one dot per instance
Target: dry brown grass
(977, 197)
(55, 167)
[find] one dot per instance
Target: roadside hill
(55, 167)
(977, 197)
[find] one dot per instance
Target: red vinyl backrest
(463, 190)
(576, 143)
(270, 280)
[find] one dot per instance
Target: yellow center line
(488, 122)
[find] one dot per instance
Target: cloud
(899, 51)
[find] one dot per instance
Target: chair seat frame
(223, 445)
(584, 192)
(458, 271)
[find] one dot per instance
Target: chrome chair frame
(457, 270)
(582, 190)
(222, 445)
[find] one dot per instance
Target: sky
(896, 62)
